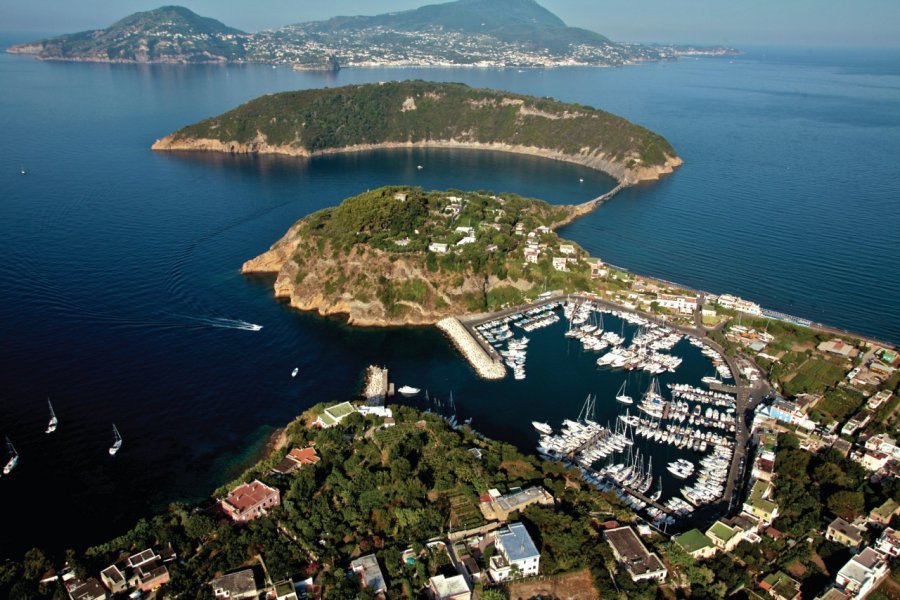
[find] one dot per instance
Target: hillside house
(250, 501)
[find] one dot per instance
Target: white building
(560, 263)
(567, 249)
(469, 239)
(449, 588)
(734, 303)
(862, 573)
(437, 247)
(681, 304)
(515, 552)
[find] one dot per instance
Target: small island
(423, 114)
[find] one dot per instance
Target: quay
(632, 492)
(746, 398)
(376, 388)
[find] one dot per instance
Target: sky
(780, 22)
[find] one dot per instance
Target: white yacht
(542, 427)
(408, 390)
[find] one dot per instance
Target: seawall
(484, 365)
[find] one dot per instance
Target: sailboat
(117, 443)
(51, 425)
(13, 458)
(622, 397)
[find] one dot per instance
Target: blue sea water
(121, 299)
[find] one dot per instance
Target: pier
(483, 358)
(579, 210)
(376, 388)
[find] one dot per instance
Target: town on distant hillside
(484, 33)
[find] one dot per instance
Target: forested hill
(422, 113)
(513, 21)
(167, 34)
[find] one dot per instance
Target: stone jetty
(484, 365)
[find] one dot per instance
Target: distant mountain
(513, 21)
(488, 33)
(171, 34)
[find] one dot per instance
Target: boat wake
(224, 323)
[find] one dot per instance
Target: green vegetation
(375, 490)
(809, 483)
(167, 34)
(376, 248)
(814, 375)
(412, 111)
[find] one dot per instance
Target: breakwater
(481, 361)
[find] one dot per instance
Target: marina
(665, 448)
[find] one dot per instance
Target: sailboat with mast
(51, 425)
(117, 441)
(622, 397)
(13, 458)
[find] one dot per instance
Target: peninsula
(439, 115)
(401, 256)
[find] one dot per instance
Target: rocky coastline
(593, 160)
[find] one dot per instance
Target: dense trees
(324, 119)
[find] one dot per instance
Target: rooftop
(367, 567)
(887, 509)
(782, 584)
(693, 540)
(516, 542)
(304, 456)
(235, 584)
(632, 551)
(449, 586)
(843, 527)
(721, 531)
(248, 495)
(756, 499)
(518, 497)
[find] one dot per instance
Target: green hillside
(167, 34)
(323, 119)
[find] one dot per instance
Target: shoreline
(596, 161)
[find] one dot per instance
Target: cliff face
(430, 115)
(361, 270)
(401, 256)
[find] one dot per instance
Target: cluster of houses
(134, 575)
(877, 368)
(757, 512)
(862, 573)
(751, 339)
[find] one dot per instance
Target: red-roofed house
(249, 501)
(304, 456)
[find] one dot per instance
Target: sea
(122, 301)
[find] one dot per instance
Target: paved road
(747, 397)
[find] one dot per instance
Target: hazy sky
(811, 22)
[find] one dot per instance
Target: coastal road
(746, 397)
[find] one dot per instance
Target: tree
(494, 594)
(35, 564)
(846, 504)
